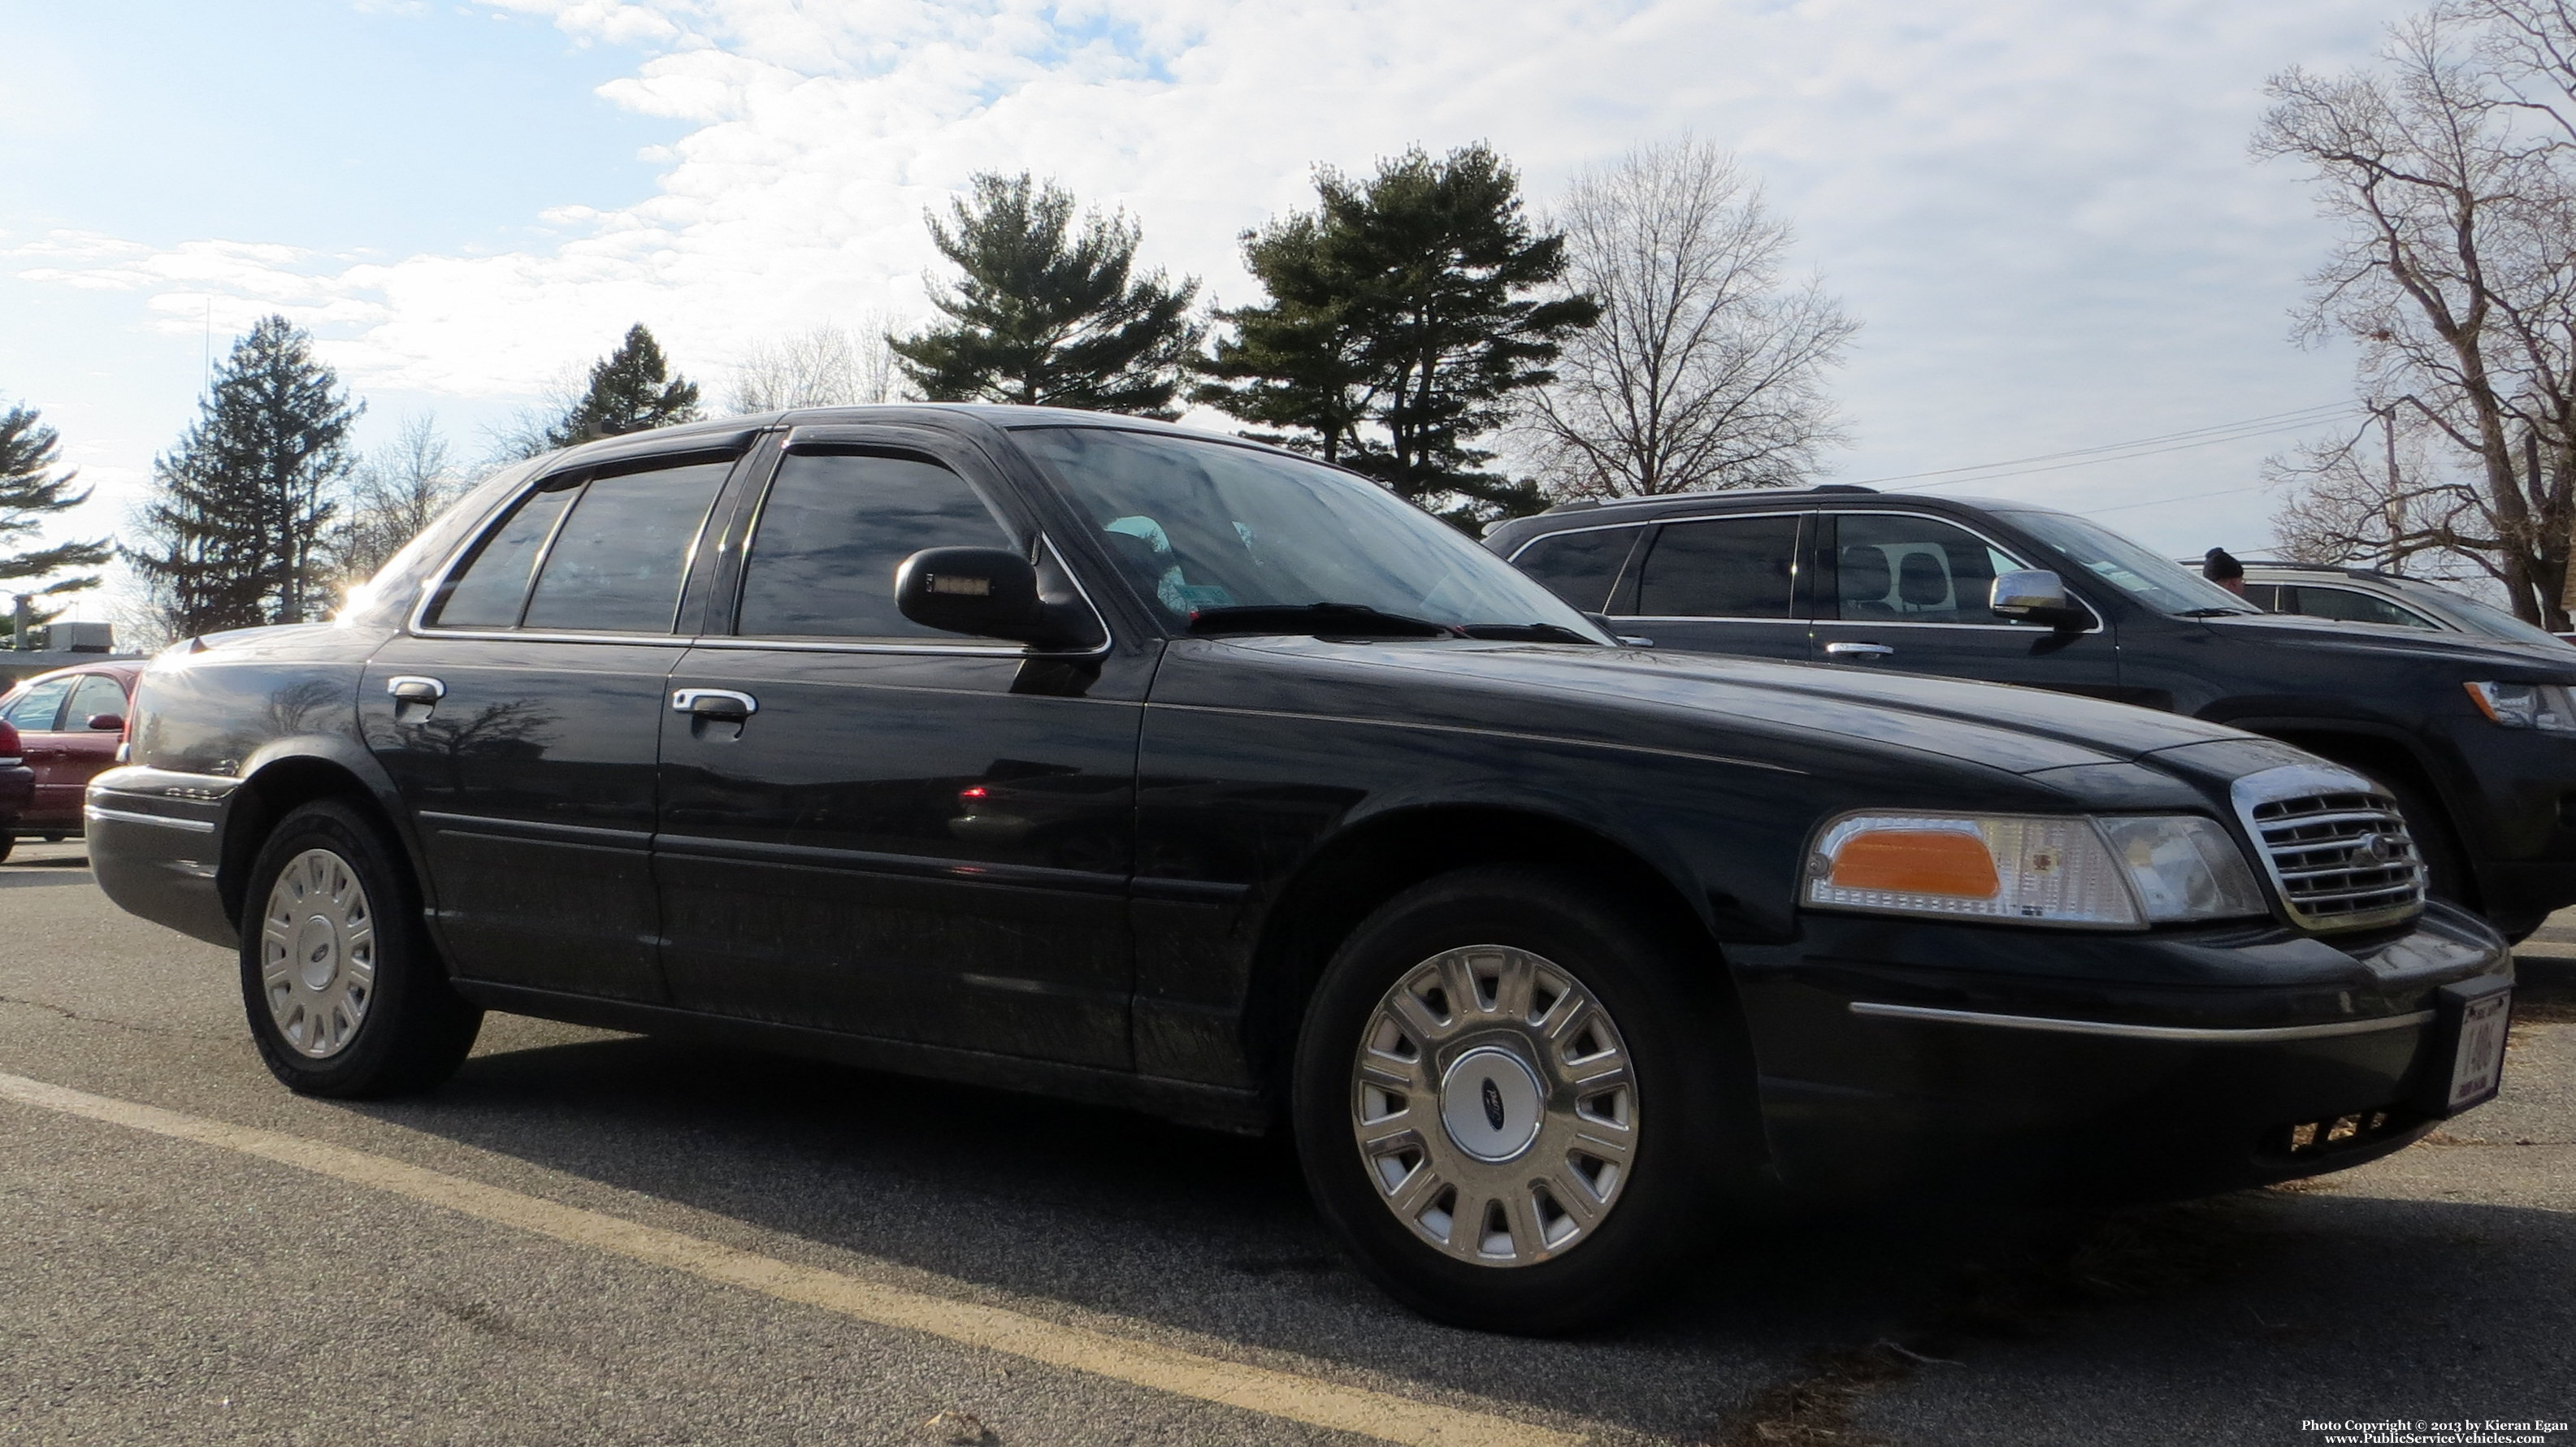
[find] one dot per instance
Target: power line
(2209, 436)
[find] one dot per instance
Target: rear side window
(1579, 567)
(488, 594)
(832, 531)
(1722, 568)
(35, 709)
(97, 694)
(617, 563)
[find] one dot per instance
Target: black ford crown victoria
(1093, 757)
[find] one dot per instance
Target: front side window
(834, 529)
(618, 561)
(1202, 525)
(1905, 569)
(35, 709)
(1722, 568)
(97, 694)
(1579, 566)
(2349, 605)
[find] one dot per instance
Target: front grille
(2335, 846)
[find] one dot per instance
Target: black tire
(8, 845)
(412, 1029)
(1695, 1143)
(2446, 865)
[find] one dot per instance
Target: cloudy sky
(2042, 212)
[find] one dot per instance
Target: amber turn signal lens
(1917, 861)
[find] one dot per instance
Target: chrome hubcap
(317, 953)
(1493, 1105)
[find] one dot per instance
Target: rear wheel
(344, 994)
(8, 845)
(1514, 1100)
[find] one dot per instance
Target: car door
(37, 714)
(520, 716)
(1907, 591)
(84, 744)
(878, 828)
(1730, 584)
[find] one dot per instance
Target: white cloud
(2042, 211)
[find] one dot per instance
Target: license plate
(2477, 1070)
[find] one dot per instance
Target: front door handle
(718, 703)
(412, 688)
(1859, 650)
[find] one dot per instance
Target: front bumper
(2126, 1067)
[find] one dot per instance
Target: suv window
(1579, 566)
(1722, 568)
(1908, 569)
(832, 532)
(96, 694)
(617, 563)
(2348, 604)
(36, 708)
(494, 585)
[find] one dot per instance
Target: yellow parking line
(1272, 1393)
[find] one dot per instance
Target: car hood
(1686, 702)
(2472, 654)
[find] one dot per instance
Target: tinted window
(2349, 605)
(97, 694)
(617, 564)
(832, 532)
(36, 709)
(2263, 595)
(489, 592)
(1722, 568)
(1579, 566)
(1913, 570)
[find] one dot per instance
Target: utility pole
(22, 622)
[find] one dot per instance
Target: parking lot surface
(591, 1237)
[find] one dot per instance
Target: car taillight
(8, 744)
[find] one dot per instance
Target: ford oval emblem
(1493, 1104)
(2377, 847)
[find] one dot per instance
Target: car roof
(125, 671)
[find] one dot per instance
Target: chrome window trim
(2180, 1034)
(1639, 523)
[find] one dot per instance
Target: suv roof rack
(1589, 503)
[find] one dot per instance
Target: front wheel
(345, 996)
(1517, 1100)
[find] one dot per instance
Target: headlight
(2043, 869)
(2526, 705)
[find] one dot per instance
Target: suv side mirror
(2035, 595)
(987, 593)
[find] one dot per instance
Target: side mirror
(2034, 595)
(111, 723)
(986, 593)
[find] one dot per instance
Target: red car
(68, 724)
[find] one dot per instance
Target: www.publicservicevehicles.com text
(2467, 1430)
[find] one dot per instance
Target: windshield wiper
(1525, 633)
(2215, 613)
(1353, 620)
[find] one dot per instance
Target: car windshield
(2485, 618)
(2135, 570)
(1202, 526)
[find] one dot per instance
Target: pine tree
(631, 389)
(31, 491)
(1403, 315)
(1048, 314)
(236, 537)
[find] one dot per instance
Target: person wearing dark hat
(2220, 567)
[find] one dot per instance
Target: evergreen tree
(236, 537)
(1048, 314)
(30, 492)
(631, 389)
(1403, 315)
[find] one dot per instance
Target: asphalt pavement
(592, 1237)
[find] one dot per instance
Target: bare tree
(825, 367)
(2452, 169)
(393, 494)
(1706, 370)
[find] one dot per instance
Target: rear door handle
(1858, 650)
(721, 703)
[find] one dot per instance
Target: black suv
(1088, 756)
(2475, 737)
